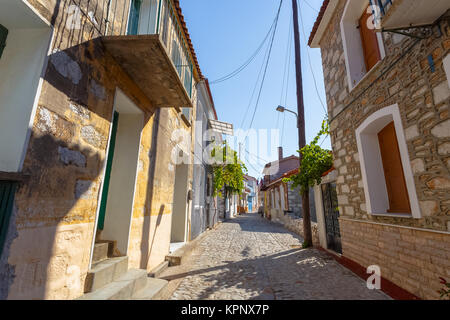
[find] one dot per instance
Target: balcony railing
(159, 17)
(393, 15)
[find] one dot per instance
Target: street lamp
(283, 109)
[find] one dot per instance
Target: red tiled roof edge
(318, 21)
(328, 172)
(186, 32)
(284, 176)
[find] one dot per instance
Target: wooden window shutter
(3, 36)
(369, 42)
(393, 171)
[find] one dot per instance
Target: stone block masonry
(413, 253)
(53, 224)
(413, 259)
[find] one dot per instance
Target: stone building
(283, 203)
(388, 99)
(95, 107)
(205, 207)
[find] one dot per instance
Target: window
(133, 23)
(3, 36)
(387, 176)
(363, 46)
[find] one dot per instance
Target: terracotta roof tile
(318, 21)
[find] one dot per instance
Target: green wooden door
(3, 36)
(7, 192)
(109, 162)
(133, 23)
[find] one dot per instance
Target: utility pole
(307, 234)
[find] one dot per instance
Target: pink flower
(443, 281)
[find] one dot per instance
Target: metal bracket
(424, 32)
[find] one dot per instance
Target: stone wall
(423, 99)
(403, 77)
(295, 224)
(413, 259)
(53, 224)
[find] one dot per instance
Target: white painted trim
(36, 101)
(395, 226)
(332, 5)
(375, 191)
(359, 50)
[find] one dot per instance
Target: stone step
(152, 291)
(132, 282)
(156, 272)
(105, 272)
(100, 252)
(112, 247)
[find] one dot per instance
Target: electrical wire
(266, 67)
(246, 63)
(254, 89)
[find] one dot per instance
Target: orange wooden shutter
(369, 42)
(393, 171)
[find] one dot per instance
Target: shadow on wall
(64, 182)
(146, 244)
(62, 177)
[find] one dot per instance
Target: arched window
(386, 170)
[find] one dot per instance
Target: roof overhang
(146, 61)
(322, 22)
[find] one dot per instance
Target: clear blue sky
(225, 33)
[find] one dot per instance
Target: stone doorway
(119, 183)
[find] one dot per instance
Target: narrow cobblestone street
(251, 258)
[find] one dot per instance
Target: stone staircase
(110, 278)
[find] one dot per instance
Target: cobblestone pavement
(251, 258)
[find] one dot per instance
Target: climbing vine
(228, 170)
(315, 162)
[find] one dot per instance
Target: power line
(247, 63)
(254, 89)
(309, 5)
(266, 67)
(257, 157)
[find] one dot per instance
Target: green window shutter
(3, 36)
(133, 23)
(7, 192)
